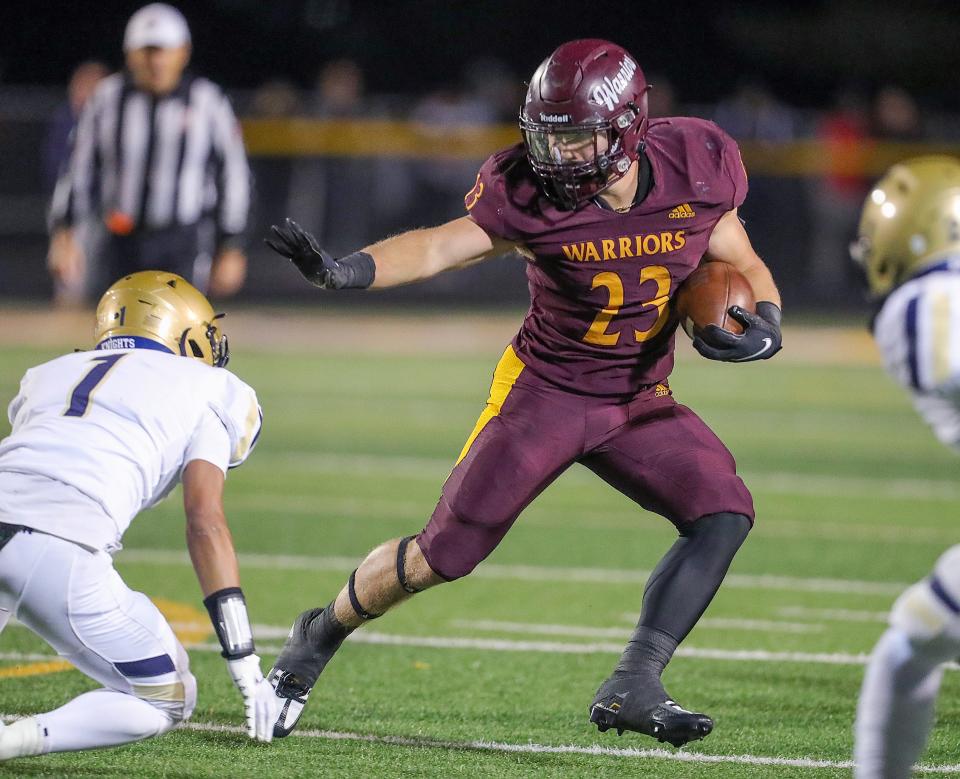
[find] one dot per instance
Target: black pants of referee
(183, 249)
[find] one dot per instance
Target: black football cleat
(295, 672)
(618, 707)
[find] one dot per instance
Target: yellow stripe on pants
(941, 337)
(504, 377)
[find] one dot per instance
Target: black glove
(760, 339)
(355, 271)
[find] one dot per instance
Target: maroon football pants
(652, 449)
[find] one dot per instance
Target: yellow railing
(372, 138)
(385, 138)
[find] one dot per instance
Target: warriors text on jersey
(100, 435)
(600, 281)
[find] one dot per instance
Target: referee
(157, 158)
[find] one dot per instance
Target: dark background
(804, 50)
(807, 58)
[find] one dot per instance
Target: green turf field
(490, 675)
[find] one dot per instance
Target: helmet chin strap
(643, 185)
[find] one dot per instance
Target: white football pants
(900, 686)
(75, 600)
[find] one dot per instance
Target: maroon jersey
(600, 281)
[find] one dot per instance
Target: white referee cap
(157, 24)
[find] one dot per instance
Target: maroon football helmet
(584, 119)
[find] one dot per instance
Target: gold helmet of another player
(164, 308)
(910, 220)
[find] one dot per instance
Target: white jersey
(99, 436)
(918, 332)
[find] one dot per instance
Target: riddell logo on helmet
(608, 92)
(555, 118)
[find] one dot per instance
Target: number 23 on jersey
(656, 274)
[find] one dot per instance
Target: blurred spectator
(56, 146)
(895, 115)
(491, 82)
(335, 192)
(662, 98)
(755, 117)
(56, 152)
(339, 90)
(752, 113)
(171, 183)
(277, 98)
(446, 116)
(837, 195)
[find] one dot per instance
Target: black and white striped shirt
(144, 162)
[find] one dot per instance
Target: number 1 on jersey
(80, 399)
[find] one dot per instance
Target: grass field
(493, 675)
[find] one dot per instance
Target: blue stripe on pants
(151, 666)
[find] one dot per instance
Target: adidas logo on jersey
(682, 212)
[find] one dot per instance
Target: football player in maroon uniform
(612, 211)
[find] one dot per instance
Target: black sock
(326, 628)
(677, 593)
(326, 632)
(647, 654)
(320, 636)
(648, 651)
(689, 575)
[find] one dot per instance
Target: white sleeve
(239, 411)
(210, 442)
(233, 187)
(17, 403)
(943, 417)
(918, 332)
(72, 196)
(917, 336)
(13, 408)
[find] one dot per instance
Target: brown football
(707, 294)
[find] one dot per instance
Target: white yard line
(757, 625)
(351, 508)
(594, 750)
(25, 657)
(569, 749)
(834, 615)
(784, 482)
(770, 527)
(721, 623)
(508, 645)
(534, 573)
(828, 485)
(262, 632)
(598, 647)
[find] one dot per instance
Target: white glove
(260, 703)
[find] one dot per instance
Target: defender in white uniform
(909, 246)
(97, 437)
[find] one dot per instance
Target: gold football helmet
(164, 308)
(910, 220)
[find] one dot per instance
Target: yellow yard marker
(35, 669)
